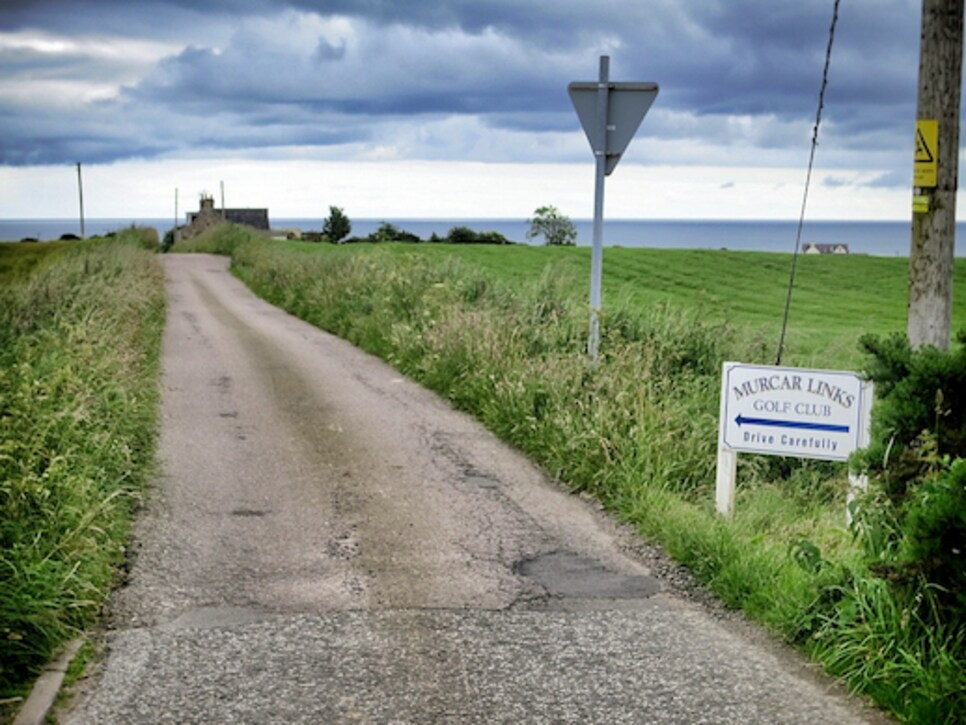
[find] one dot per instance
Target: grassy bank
(500, 332)
(836, 297)
(80, 329)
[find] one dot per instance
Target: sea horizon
(871, 237)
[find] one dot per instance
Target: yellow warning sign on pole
(927, 153)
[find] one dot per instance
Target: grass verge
(80, 331)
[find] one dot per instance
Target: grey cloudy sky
(469, 89)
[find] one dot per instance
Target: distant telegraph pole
(80, 191)
(936, 169)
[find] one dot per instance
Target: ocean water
(888, 238)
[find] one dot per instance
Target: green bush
(465, 235)
(921, 390)
(388, 233)
(913, 522)
(461, 235)
(145, 237)
(219, 239)
(457, 235)
(934, 545)
(491, 238)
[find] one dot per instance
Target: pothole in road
(567, 575)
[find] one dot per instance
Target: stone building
(207, 216)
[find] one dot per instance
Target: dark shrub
(461, 235)
(913, 523)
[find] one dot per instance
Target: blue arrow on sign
(742, 420)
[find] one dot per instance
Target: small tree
(337, 227)
(461, 235)
(556, 228)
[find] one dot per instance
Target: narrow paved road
(331, 543)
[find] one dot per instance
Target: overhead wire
(808, 180)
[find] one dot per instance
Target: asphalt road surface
(331, 543)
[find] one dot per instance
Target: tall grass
(80, 328)
(836, 299)
(637, 430)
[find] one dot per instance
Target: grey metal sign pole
(597, 256)
(610, 114)
(80, 193)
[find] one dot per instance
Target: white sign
(788, 412)
(792, 411)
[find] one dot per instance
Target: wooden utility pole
(935, 176)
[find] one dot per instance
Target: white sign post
(823, 414)
(610, 114)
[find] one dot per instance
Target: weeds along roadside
(638, 431)
(80, 331)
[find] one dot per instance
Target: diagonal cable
(808, 180)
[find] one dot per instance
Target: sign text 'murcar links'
(778, 383)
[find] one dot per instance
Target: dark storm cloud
(154, 18)
(91, 143)
(244, 74)
(29, 65)
(536, 22)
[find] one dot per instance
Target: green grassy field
(835, 299)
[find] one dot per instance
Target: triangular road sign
(627, 104)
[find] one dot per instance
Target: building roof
(826, 248)
(257, 218)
